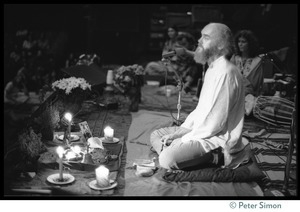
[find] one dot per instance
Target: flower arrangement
(47, 122)
(24, 153)
(71, 92)
(127, 77)
(30, 143)
(70, 84)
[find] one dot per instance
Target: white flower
(127, 79)
(69, 84)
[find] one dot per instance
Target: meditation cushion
(245, 173)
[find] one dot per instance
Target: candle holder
(108, 138)
(102, 181)
(55, 179)
(109, 80)
(87, 159)
(74, 154)
(60, 178)
(114, 140)
(67, 120)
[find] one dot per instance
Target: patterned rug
(270, 148)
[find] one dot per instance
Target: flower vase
(134, 95)
(47, 133)
(47, 122)
(73, 102)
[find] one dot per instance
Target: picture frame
(85, 130)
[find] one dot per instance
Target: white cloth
(219, 116)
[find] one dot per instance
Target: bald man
(211, 135)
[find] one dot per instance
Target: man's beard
(203, 55)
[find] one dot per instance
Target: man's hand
(167, 139)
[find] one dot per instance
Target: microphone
(178, 52)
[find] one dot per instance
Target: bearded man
(211, 135)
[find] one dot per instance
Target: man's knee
(166, 161)
(154, 136)
(154, 133)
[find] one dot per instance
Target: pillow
(245, 173)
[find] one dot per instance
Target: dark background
(134, 33)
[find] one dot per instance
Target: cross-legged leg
(156, 135)
(185, 156)
(179, 155)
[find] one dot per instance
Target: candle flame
(68, 116)
(76, 149)
(102, 171)
(107, 128)
(60, 151)
(70, 155)
(108, 132)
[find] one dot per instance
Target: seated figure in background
(15, 95)
(184, 64)
(15, 88)
(157, 67)
(246, 58)
(256, 67)
(171, 42)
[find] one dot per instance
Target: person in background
(171, 42)
(211, 135)
(71, 60)
(157, 67)
(15, 95)
(184, 64)
(247, 59)
(14, 87)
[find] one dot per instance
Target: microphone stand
(180, 87)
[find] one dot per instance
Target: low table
(35, 181)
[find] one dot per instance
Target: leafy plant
(127, 77)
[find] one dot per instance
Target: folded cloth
(95, 142)
(144, 171)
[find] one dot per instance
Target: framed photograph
(85, 130)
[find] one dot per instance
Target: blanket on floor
(269, 145)
(138, 147)
(144, 122)
(154, 98)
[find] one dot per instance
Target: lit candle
(68, 117)
(76, 149)
(109, 133)
(70, 155)
(109, 77)
(102, 176)
(60, 151)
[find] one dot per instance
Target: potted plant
(129, 80)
